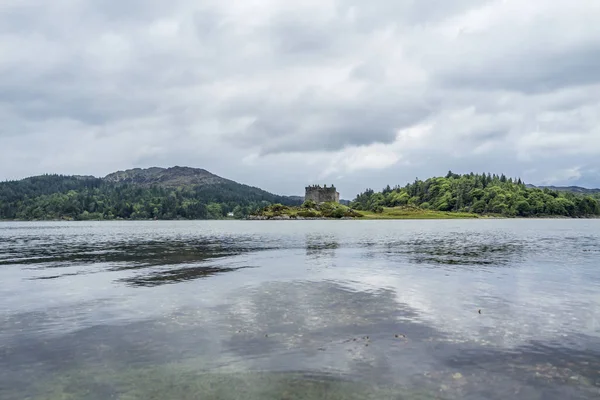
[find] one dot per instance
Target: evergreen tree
(59, 197)
(481, 193)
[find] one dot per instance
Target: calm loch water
(300, 310)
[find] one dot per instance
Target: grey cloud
(298, 39)
(291, 136)
(369, 71)
(16, 20)
(88, 106)
(571, 100)
(177, 82)
(302, 37)
(489, 135)
(208, 23)
(374, 14)
(77, 88)
(589, 175)
(311, 123)
(538, 71)
(131, 11)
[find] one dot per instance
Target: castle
(323, 194)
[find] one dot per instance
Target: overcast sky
(281, 94)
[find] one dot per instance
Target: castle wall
(322, 194)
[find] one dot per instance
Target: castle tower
(320, 194)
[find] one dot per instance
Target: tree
(238, 212)
(478, 207)
(60, 197)
(481, 193)
(523, 208)
(309, 204)
(214, 211)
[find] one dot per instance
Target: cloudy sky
(282, 94)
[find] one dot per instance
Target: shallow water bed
(488, 309)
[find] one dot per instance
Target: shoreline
(283, 218)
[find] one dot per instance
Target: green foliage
(277, 210)
(336, 210)
(309, 204)
(52, 197)
(214, 211)
(523, 208)
(309, 210)
(480, 194)
(306, 213)
(413, 212)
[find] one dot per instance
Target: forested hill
(482, 194)
(572, 189)
(167, 177)
(160, 193)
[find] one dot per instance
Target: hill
(166, 177)
(571, 189)
(160, 193)
(481, 194)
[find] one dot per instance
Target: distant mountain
(166, 177)
(570, 189)
(159, 193)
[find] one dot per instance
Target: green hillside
(158, 193)
(480, 194)
(189, 193)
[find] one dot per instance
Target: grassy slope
(415, 213)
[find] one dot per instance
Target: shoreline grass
(418, 213)
(338, 211)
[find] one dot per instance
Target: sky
(280, 94)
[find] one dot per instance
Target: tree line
(481, 194)
(52, 197)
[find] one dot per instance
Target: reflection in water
(321, 250)
(156, 262)
(239, 311)
(366, 344)
(131, 254)
(459, 250)
(176, 275)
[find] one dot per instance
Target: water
(490, 309)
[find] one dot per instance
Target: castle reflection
(321, 250)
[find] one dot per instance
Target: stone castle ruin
(323, 194)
